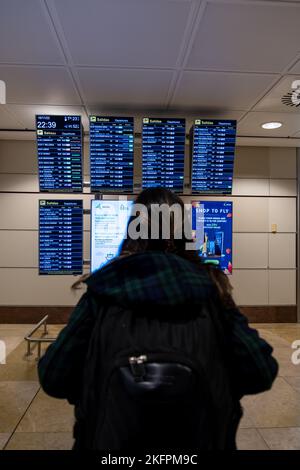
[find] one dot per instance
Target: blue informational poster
(214, 218)
(109, 221)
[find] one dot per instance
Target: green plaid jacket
(152, 278)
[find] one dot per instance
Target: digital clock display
(46, 125)
(59, 145)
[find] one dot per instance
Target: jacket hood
(152, 278)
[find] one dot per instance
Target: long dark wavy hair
(174, 245)
(159, 196)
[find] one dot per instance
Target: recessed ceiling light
(271, 125)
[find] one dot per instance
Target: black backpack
(156, 379)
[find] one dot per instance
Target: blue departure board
(111, 154)
(213, 147)
(59, 146)
(163, 153)
(60, 236)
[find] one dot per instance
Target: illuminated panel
(60, 236)
(108, 227)
(214, 219)
(163, 153)
(111, 154)
(213, 156)
(59, 146)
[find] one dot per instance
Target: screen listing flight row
(59, 146)
(59, 142)
(163, 153)
(61, 233)
(60, 236)
(111, 153)
(213, 156)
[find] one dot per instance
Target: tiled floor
(31, 420)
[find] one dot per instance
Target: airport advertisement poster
(108, 227)
(212, 230)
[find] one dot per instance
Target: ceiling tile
(251, 124)
(25, 34)
(128, 88)
(123, 33)
(272, 101)
(220, 91)
(246, 37)
(26, 113)
(7, 121)
(296, 68)
(38, 85)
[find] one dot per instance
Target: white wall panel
(250, 214)
(282, 162)
(18, 248)
(282, 212)
(86, 245)
(250, 187)
(138, 161)
(281, 187)
(86, 222)
(250, 286)
(252, 162)
(18, 156)
(17, 182)
(282, 250)
(86, 158)
(250, 250)
(26, 287)
(282, 287)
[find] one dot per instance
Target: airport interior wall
(264, 263)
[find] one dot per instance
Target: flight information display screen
(108, 227)
(59, 146)
(213, 156)
(163, 153)
(212, 230)
(111, 154)
(60, 236)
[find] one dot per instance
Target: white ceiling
(207, 58)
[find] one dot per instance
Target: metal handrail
(38, 341)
